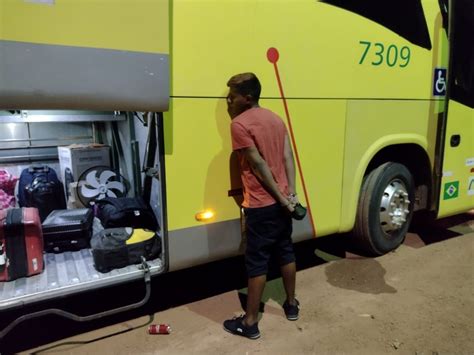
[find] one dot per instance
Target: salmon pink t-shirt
(263, 129)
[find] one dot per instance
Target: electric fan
(99, 182)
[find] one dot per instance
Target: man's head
(244, 93)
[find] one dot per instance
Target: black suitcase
(67, 230)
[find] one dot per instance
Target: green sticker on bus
(451, 190)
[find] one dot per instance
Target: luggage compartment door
(91, 55)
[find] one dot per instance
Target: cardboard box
(77, 158)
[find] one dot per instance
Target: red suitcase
(21, 243)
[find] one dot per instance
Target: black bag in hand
(299, 212)
(126, 212)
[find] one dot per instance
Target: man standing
(268, 176)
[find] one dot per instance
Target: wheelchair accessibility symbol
(439, 82)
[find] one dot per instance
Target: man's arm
(261, 169)
(289, 166)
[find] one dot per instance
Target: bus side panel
(200, 169)
(319, 125)
(457, 185)
(319, 128)
(205, 243)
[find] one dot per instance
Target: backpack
(119, 247)
(126, 212)
(39, 187)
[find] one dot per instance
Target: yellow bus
(378, 98)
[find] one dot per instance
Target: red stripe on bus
(273, 56)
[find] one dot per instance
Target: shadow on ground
(432, 231)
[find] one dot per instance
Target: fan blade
(88, 193)
(91, 179)
(101, 196)
(110, 193)
(115, 185)
(105, 176)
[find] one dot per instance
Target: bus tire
(385, 208)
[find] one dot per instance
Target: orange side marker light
(205, 215)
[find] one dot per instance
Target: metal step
(65, 274)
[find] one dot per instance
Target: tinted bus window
(404, 17)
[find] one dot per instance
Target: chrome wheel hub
(394, 207)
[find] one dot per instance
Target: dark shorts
(268, 234)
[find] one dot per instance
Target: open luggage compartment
(72, 272)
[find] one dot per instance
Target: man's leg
(288, 273)
(256, 285)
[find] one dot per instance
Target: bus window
(404, 17)
(462, 84)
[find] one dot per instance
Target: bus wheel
(385, 208)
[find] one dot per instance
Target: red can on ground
(159, 329)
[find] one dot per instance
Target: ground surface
(417, 300)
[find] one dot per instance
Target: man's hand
(293, 198)
(291, 202)
(293, 205)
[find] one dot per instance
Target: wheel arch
(416, 159)
(408, 150)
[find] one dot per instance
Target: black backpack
(126, 212)
(39, 187)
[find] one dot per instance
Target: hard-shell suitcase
(67, 230)
(21, 243)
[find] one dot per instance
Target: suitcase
(21, 243)
(67, 230)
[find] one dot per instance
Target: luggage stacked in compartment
(129, 234)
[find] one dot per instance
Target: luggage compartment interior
(33, 137)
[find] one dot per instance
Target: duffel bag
(126, 212)
(115, 248)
